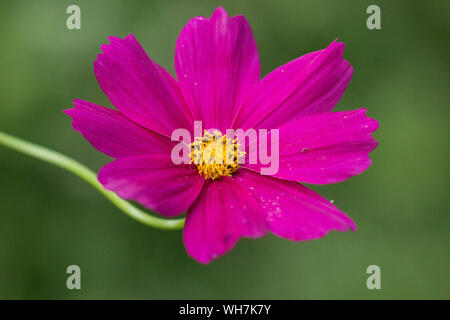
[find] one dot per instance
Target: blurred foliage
(50, 219)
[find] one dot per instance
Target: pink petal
(139, 88)
(223, 213)
(112, 133)
(217, 62)
(313, 83)
(325, 148)
(293, 211)
(153, 181)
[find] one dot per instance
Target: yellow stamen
(216, 155)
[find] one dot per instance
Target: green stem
(90, 177)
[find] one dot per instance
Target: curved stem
(90, 177)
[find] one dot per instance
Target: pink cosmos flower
(218, 72)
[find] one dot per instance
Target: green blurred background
(50, 219)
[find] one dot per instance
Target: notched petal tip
(335, 50)
(220, 12)
(77, 105)
(115, 43)
(68, 111)
(370, 125)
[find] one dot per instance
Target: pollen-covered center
(216, 155)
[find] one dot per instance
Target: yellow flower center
(216, 155)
